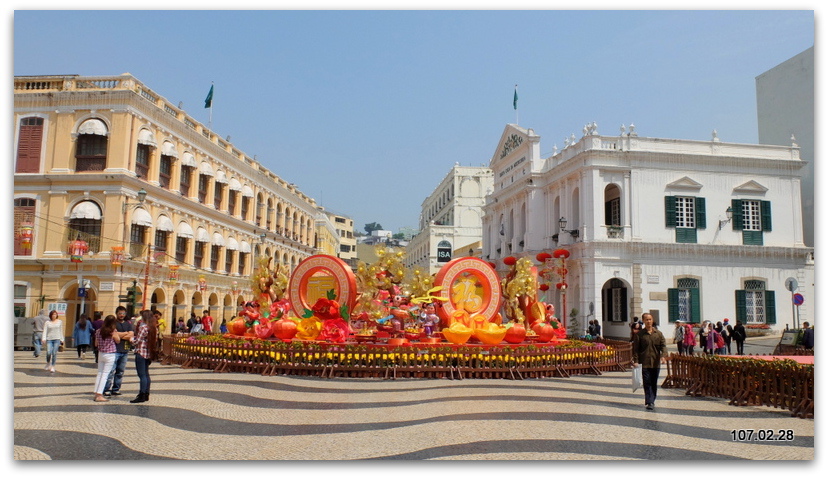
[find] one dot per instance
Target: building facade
(785, 112)
(347, 247)
(691, 230)
(451, 218)
(108, 161)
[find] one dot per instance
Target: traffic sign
(791, 284)
(798, 299)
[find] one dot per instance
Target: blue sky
(367, 111)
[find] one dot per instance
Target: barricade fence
(382, 361)
(778, 383)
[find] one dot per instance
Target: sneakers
(107, 394)
(47, 367)
(650, 406)
(116, 393)
(52, 369)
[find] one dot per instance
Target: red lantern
(558, 253)
(202, 283)
(561, 285)
(543, 256)
(26, 234)
(173, 276)
(116, 256)
(77, 249)
(544, 287)
(509, 261)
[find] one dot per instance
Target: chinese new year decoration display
(116, 256)
(26, 233)
(77, 249)
(173, 274)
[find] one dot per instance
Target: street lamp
(142, 196)
(729, 213)
(562, 227)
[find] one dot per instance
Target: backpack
(680, 334)
(719, 340)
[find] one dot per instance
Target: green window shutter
(752, 238)
(685, 235)
(738, 217)
(765, 209)
(695, 305)
(741, 305)
(701, 214)
(770, 307)
(672, 305)
(670, 211)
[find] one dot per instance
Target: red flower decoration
(335, 330)
(326, 309)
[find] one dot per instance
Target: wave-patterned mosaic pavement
(201, 415)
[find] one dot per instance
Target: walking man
(649, 351)
(37, 331)
(124, 328)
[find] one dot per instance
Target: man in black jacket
(649, 350)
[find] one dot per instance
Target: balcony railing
(615, 232)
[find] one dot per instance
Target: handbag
(60, 348)
(197, 329)
(636, 377)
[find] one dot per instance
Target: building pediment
(750, 187)
(685, 183)
(514, 138)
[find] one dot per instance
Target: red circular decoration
(344, 282)
(450, 276)
(543, 256)
(560, 253)
(510, 260)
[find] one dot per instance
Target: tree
(398, 236)
(371, 227)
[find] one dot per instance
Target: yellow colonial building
(159, 200)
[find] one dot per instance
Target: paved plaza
(202, 415)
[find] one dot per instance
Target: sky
(367, 111)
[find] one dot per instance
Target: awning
(146, 137)
(247, 191)
(232, 244)
(86, 210)
(187, 159)
(244, 246)
(221, 177)
(206, 169)
(202, 235)
(169, 150)
(184, 230)
(93, 126)
(234, 185)
(217, 239)
(142, 218)
(164, 224)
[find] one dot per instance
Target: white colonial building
(691, 230)
(451, 218)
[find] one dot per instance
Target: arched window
(90, 152)
(85, 224)
(29, 142)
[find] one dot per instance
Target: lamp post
(142, 196)
(729, 213)
(562, 226)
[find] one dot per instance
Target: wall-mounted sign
(443, 251)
